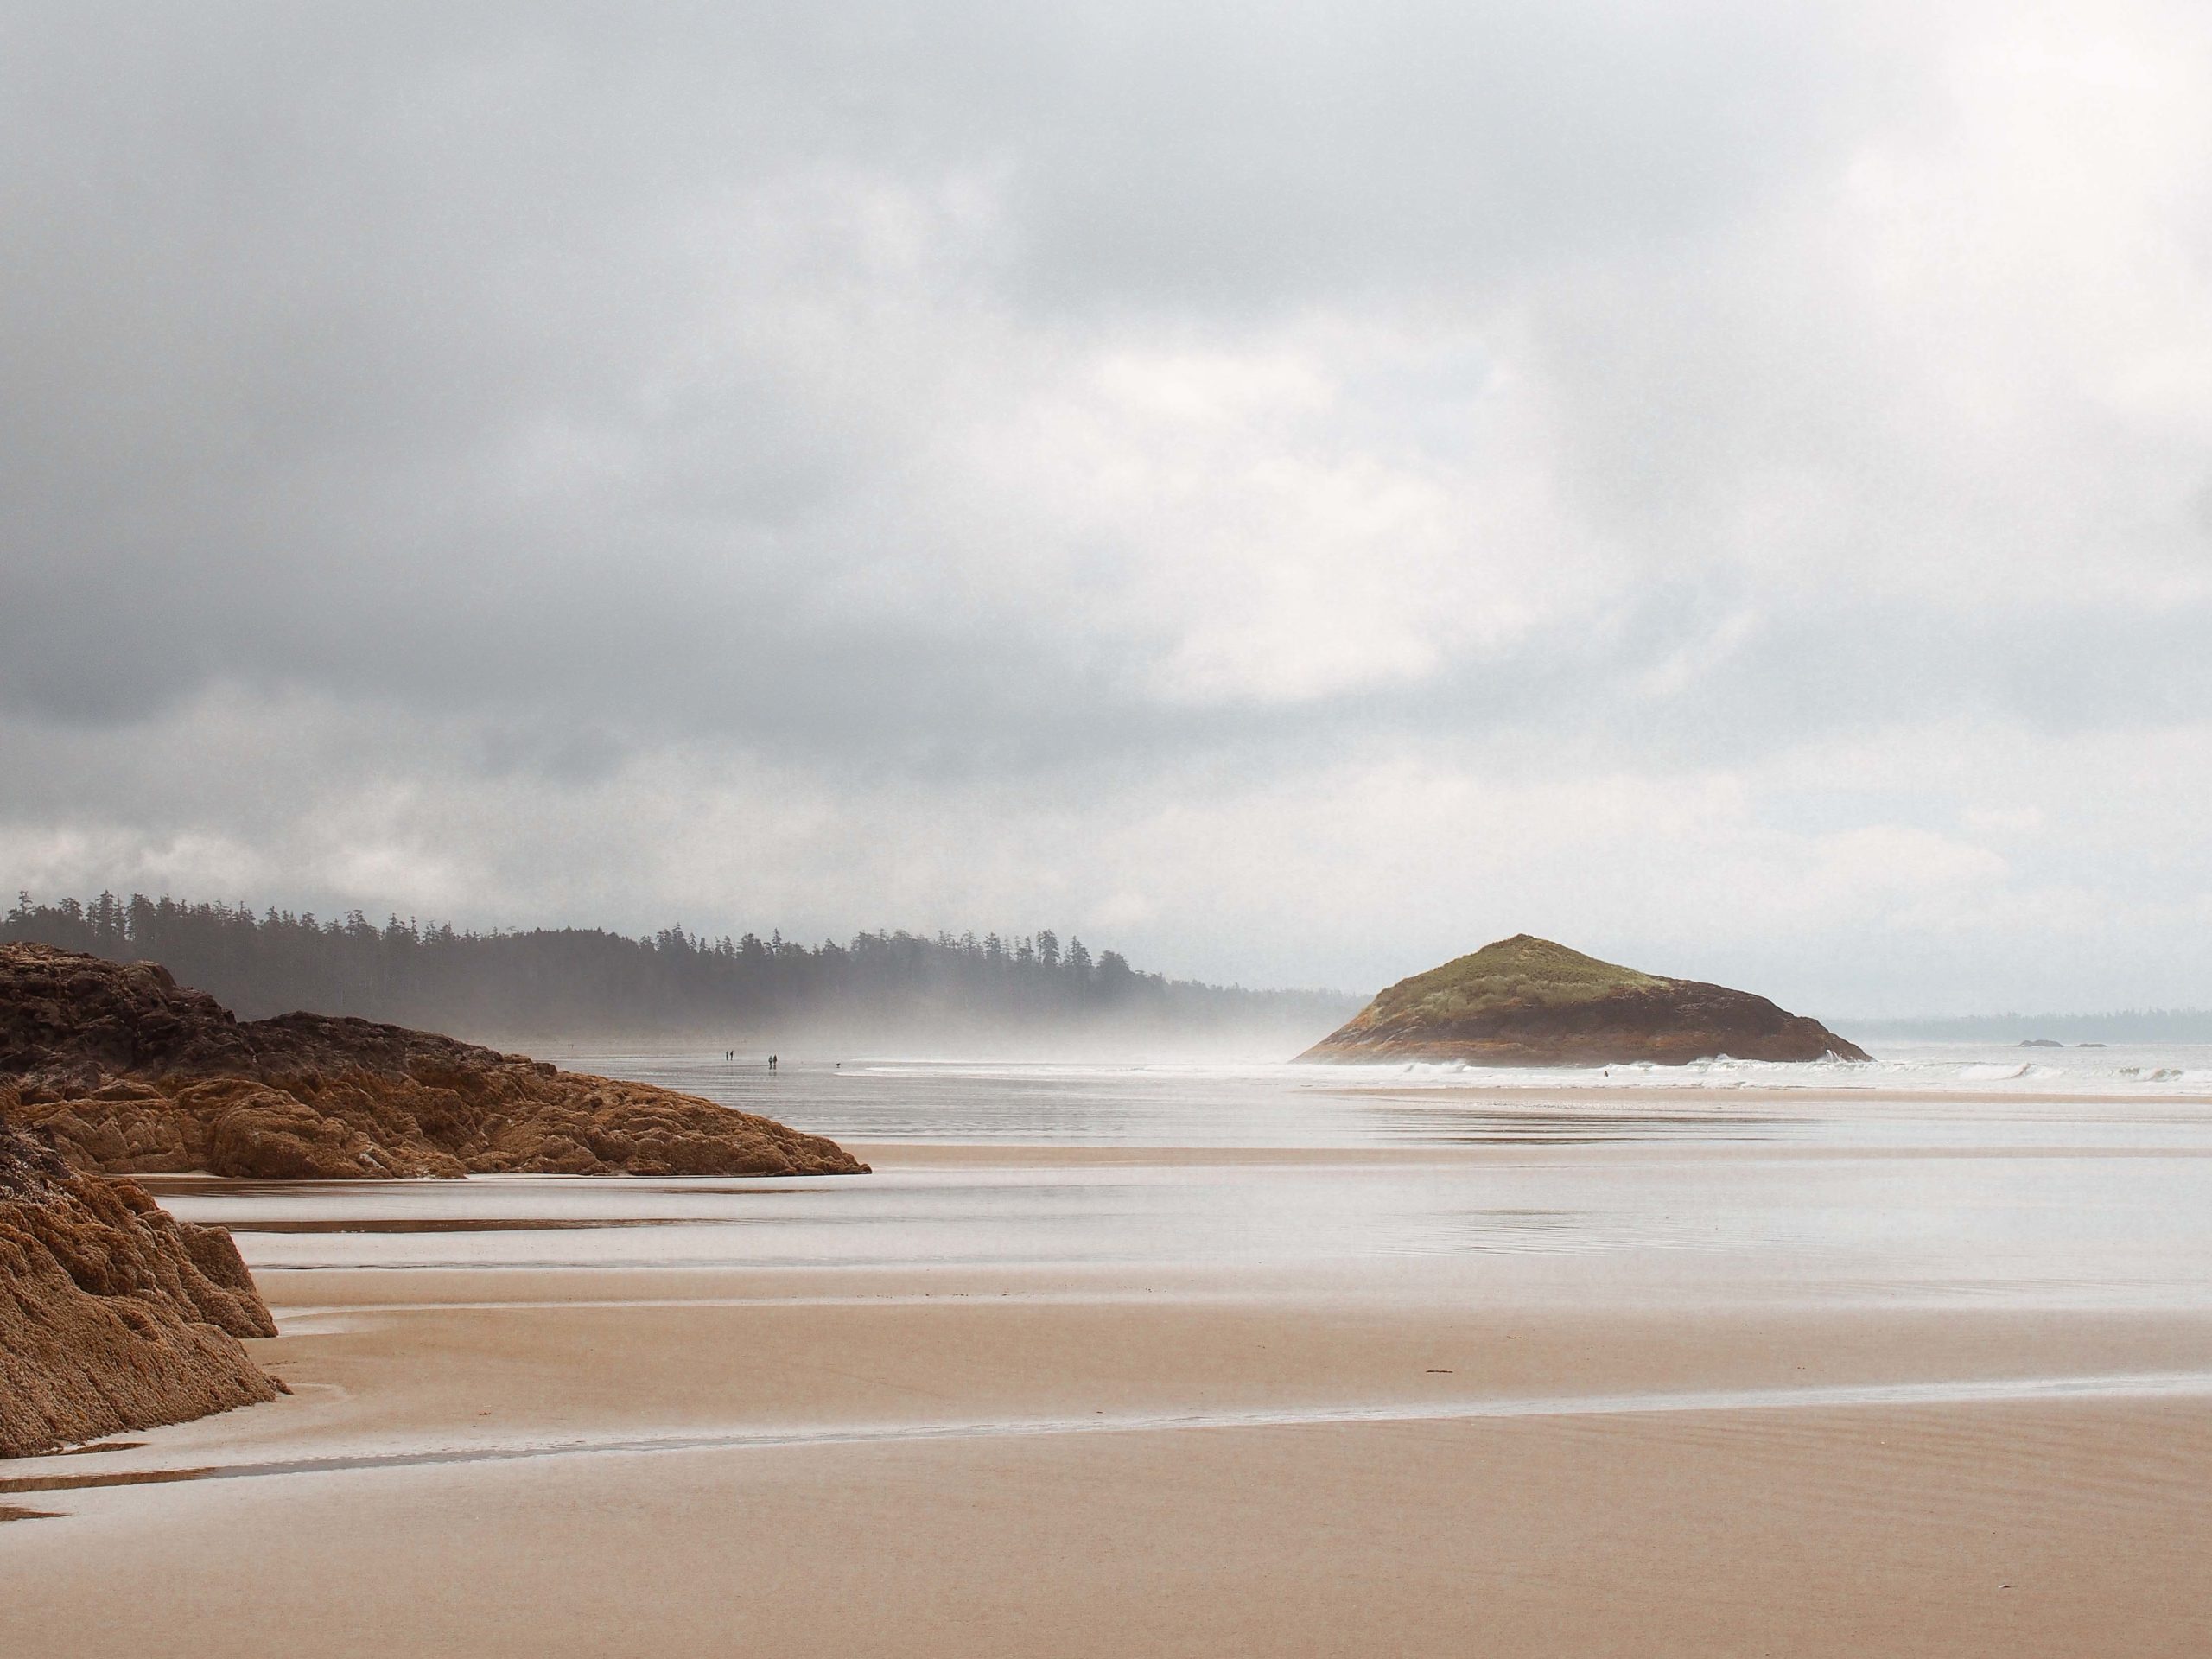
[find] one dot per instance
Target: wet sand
(1212, 1449)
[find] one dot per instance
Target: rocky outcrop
(124, 1070)
(113, 1314)
(1528, 1001)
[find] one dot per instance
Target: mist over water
(1962, 1088)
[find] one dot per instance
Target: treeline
(583, 982)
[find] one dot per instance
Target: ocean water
(1936, 1095)
(1922, 1180)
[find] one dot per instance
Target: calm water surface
(1990, 1096)
(1636, 1190)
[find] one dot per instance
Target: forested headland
(937, 992)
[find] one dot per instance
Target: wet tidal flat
(1554, 1371)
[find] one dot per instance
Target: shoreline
(961, 1454)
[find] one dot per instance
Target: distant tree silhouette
(582, 980)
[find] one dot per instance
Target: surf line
(2141, 1385)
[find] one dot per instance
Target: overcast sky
(1292, 491)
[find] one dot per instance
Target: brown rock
(113, 1314)
(124, 1070)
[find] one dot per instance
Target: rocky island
(1528, 1001)
(123, 1071)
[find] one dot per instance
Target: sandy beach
(552, 1439)
(965, 832)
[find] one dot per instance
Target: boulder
(114, 1315)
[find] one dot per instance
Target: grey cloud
(297, 289)
(539, 391)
